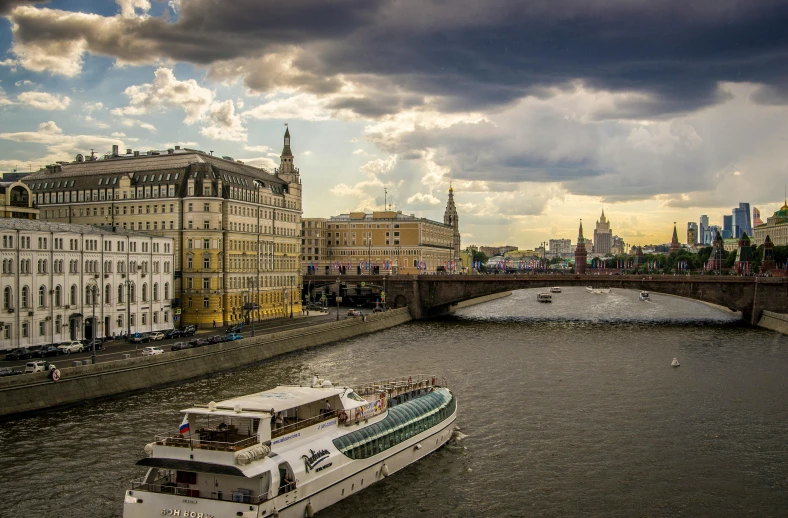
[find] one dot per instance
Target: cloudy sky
(539, 112)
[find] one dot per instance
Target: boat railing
(304, 423)
(166, 486)
(201, 443)
(396, 386)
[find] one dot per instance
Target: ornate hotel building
(236, 228)
(51, 273)
(776, 227)
(392, 241)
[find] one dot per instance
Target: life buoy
(342, 417)
(54, 374)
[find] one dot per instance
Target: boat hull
(319, 494)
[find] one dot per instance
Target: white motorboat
(544, 297)
(675, 362)
(644, 295)
(555, 289)
(292, 450)
(589, 289)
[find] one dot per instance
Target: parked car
(215, 339)
(34, 350)
(38, 366)
(173, 333)
(20, 353)
(8, 371)
(354, 313)
(71, 347)
(232, 336)
(188, 331)
(140, 338)
(234, 328)
(180, 346)
(156, 336)
(198, 342)
(151, 351)
(97, 343)
(47, 350)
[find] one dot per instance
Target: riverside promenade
(36, 392)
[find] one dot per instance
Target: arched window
(155, 291)
(57, 296)
(42, 296)
(44, 269)
(132, 295)
(107, 294)
(120, 294)
(73, 298)
(7, 298)
(88, 295)
(87, 266)
(25, 295)
(121, 266)
(144, 292)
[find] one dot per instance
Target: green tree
(482, 258)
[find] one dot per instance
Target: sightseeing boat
(555, 289)
(544, 297)
(292, 450)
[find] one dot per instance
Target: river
(565, 409)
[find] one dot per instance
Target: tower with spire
(580, 252)
(675, 246)
(451, 219)
(603, 236)
(287, 171)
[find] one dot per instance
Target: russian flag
(184, 425)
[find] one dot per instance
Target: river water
(565, 409)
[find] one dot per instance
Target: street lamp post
(92, 285)
(339, 294)
(290, 297)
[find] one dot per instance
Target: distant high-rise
(727, 227)
(756, 217)
(692, 233)
(741, 220)
(560, 246)
(603, 236)
(702, 229)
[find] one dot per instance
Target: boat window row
(403, 422)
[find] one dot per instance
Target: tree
(482, 258)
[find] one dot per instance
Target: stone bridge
(433, 295)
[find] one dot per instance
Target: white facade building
(50, 272)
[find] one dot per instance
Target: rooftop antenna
(385, 198)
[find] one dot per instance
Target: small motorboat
(675, 362)
(644, 295)
(544, 297)
(555, 289)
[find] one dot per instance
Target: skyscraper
(756, 217)
(741, 220)
(603, 236)
(727, 227)
(702, 229)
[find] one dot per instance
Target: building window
(131, 320)
(206, 262)
(206, 302)
(206, 207)
(7, 297)
(166, 316)
(206, 243)
(25, 295)
(189, 262)
(42, 328)
(166, 291)
(144, 319)
(24, 329)
(206, 283)
(41, 296)
(206, 225)
(155, 318)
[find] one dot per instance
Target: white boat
(555, 289)
(644, 295)
(589, 289)
(292, 450)
(675, 362)
(544, 297)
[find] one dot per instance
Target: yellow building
(776, 227)
(314, 249)
(236, 227)
(16, 201)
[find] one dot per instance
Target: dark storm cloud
(7, 5)
(469, 54)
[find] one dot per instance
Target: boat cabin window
(355, 397)
(286, 478)
(186, 477)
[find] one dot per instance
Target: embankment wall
(481, 300)
(35, 392)
(774, 321)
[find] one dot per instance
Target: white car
(71, 347)
(39, 366)
(150, 351)
(156, 336)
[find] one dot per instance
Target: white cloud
(44, 101)
(257, 149)
(26, 82)
(420, 198)
(95, 106)
(4, 100)
(301, 106)
(59, 146)
(96, 123)
(225, 123)
(118, 134)
(307, 153)
(182, 144)
(166, 91)
(129, 8)
(262, 161)
(358, 152)
(136, 123)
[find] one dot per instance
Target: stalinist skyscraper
(603, 236)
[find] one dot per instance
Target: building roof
(167, 168)
(280, 398)
(48, 226)
(379, 216)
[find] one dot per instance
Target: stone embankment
(35, 392)
(480, 300)
(774, 321)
